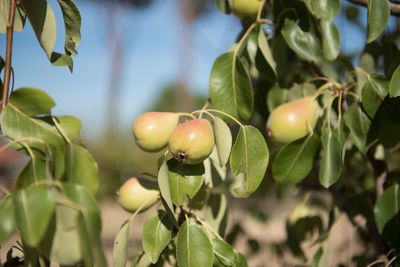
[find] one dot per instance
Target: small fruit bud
(293, 120)
(192, 142)
(132, 195)
(152, 130)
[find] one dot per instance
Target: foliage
(290, 50)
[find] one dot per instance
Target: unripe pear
(245, 8)
(132, 195)
(152, 130)
(192, 142)
(293, 120)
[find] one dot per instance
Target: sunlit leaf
(58, 60)
(231, 90)
(34, 208)
(265, 50)
(72, 23)
(326, 9)
(194, 248)
(249, 156)
(224, 253)
(19, 17)
(163, 185)
(295, 160)
(330, 39)
(373, 93)
(216, 213)
(33, 172)
(157, 233)
(120, 251)
(223, 140)
(305, 44)
(378, 17)
(32, 101)
(7, 219)
(394, 86)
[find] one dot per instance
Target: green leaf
(223, 140)
(157, 233)
(241, 260)
(249, 156)
(60, 60)
(81, 168)
(62, 242)
(184, 180)
(265, 50)
(32, 101)
(33, 172)
(317, 257)
(72, 23)
(305, 44)
(387, 215)
(394, 86)
(276, 97)
(70, 125)
(330, 39)
(295, 160)
(216, 213)
(7, 219)
(373, 93)
(331, 161)
(358, 124)
(223, 6)
(34, 208)
(231, 90)
(19, 17)
(224, 253)
(43, 22)
(194, 248)
(120, 252)
(326, 9)
(163, 185)
(378, 17)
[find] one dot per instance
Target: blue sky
(150, 59)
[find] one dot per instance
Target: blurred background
(147, 55)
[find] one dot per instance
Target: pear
(132, 195)
(245, 8)
(192, 142)
(152, 130)
(293, 120)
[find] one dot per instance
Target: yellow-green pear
(132, 195)
(192, 142)
(293, 120)
(152, 130)
(245, 8)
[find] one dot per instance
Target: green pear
(245, 8)
(192, 142)
(152, 130)
(132, 195)
(293, 120)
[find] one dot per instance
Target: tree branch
(394, 8)
(7, 69)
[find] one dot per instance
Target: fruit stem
(240, 43)
(225, 114)
(5, 190)
(184, 114)
(138, 210)
(7, 69)
(59, 128)
(260, 10)
(204, 111)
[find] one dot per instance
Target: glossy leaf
(249, 156)
(305, 44)
(330, 39)
(387, 215)
(19, 18)
(194, 248)
(373, 93)
(295, 160)
(81, 168)
(120, 251)
(331, 161)
(224, 253)
(326, 9)
(32, 101)
(33, 172)
(34, 208)
(216, 213)
(223, 140)
(72, 23)
(163, 185)
(70, 125)
(358, 124)
(43, 22)
(7, 219)
(58, 60)
(214, 172)
(157, 233)
(265, 50)
(378, 17)
(184, 180)
(231, 90)
(394, 86)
